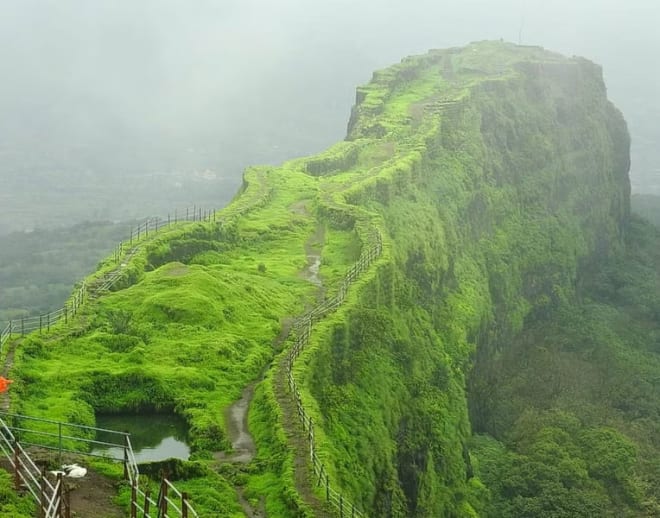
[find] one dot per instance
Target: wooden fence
(255, 192)
(303, 329)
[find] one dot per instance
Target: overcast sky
(138, 86)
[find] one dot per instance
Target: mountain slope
(496, 178)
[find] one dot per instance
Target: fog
(116, 109)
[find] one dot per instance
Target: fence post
(40, 317)
(17, 467)
(147, 497)
(60, 482)
(311, 440)
(133, 500)
(66, 314)
(22, 326)
(42, 493)
(59, 442)
(163, 497)
(126, 457)
(48, 322)
(327, 487)
(184, 505)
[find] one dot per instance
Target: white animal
(74, 471)
(71, 471)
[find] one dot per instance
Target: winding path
(236, 415)
(296, 437)
(237, 427)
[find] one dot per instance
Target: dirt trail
(296, 437)
(311, 272)
(93, 497)
(236, 416)
(237, 426)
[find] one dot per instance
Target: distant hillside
(38, 269)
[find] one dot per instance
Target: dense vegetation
(574, 400)
(498, 359)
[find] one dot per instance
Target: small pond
(154, 437)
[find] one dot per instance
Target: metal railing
(27, 475)
(26, 325)
(65, 437)
(61, 437)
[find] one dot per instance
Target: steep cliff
(476, 193)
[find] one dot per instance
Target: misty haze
(118, 110)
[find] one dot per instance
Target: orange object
(4, 384)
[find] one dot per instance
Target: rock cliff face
(507, 177)
(486, 180)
